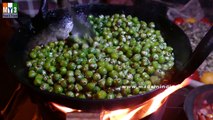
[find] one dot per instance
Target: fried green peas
(125, 55)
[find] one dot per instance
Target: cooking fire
(136, 112)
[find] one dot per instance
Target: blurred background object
(207, 78)
(207, 6)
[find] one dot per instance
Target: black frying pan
(194, 102)
(173, 35)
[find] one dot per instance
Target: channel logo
(10, 10)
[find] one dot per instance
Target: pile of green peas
(124, 57)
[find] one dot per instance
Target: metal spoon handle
(201, 52)
(43, 7)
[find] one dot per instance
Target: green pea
(125, 48)
(143, 35)
(132, 71)
(109, 50)
(129, 53)
(57, 76)
(155, 56)
(137, 49)
(82, 54)
(83, 82)
(117, 82)
(101, 94)
(102, 71)
(109, 67)
(71, 66)
(135, 65)
(89, 94)
(165, 67)
(84, 67)
(93, 66)
(77, 73)
(155, 80)
(155, 64)
(78, 87)
(126, 82)
(71, 87)
(135, 91)
(125, 91)
(161, 59)
(133, 83)
(52, 69)
(150, 69)
(110, 96)
(33, 54)
(67, 55)
(170, 64)
(50, 81)
(31, 74)
(45, 86)
(70, 73)
(71, 79)
(39, 77)
(114, 55)
(63, 83)
(75, 46)
(81, 96)
(79, 77)
(117, 68)
(109, 81)
(145, 61)
(102, 83)
(58, 88)
(96, 89)
(140, 70)
(91, 86)
(143, 24)
(70, 94)
(37, 82)
(113, 74)
(89, 74)
(47, 65)
(96, 76)
(63, 70)
(152, 25)
(145, 75)
(29, 64)
(118, 95)
(115, 41)
(101, 64)
(148, 82)
(169, 49)
(123, 58)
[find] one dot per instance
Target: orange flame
(144, 109)
(136, 112)
(64, 109)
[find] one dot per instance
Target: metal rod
(200, 53)
(195, 83)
